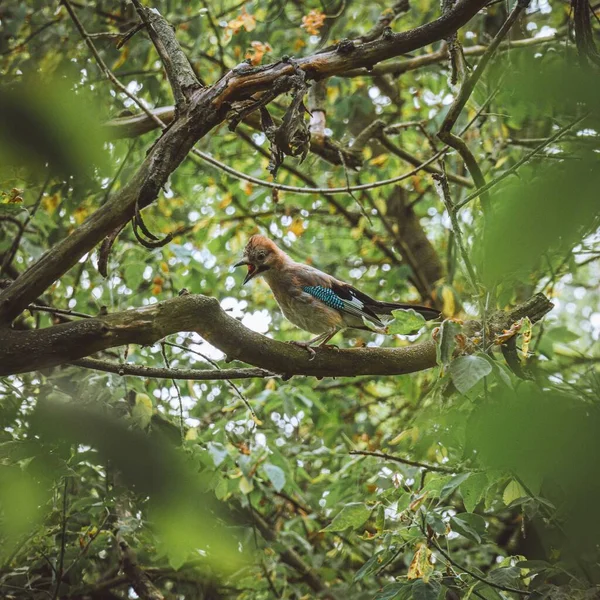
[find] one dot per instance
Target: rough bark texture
(23, 351)
(204, 109)
(415, 240)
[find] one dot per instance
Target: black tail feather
(386, 308)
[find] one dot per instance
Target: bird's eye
(261, 255)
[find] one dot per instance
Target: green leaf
(506, 576)
(512, 492)
(142, 411)
(453, 484)
(473, 489)
(395, 591)
(469, 525)
(378, 561)
(426, 591)
(276, 475)
(217, 451)
(446, 342)
(405, 322)
(467, 371)
(352, 515)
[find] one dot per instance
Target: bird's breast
(302, 309)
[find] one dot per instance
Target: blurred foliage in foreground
(500, 492)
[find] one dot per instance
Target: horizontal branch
(404, 461)
(399, 67)
(206, 108)
(164, 373)
(30, 350)
(135, 125)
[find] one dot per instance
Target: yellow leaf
(512, 492)
(313, 21)
(191, 434)
(501, 161)
(379, 160)
(227, 199)
(246, 485)
(421, 566)
(297, 227)
(122, 58)
(51, 202)
(258, 51)
(526, 333)
(449, 301)
(412, 433)
(244, 19)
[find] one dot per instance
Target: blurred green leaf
(276, 475)
(473, 489)
(353, 515)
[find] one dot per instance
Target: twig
(58, 311)
(444, 192)
(183, 374)
(103, 67)
(315, 190)
(9, 256)
(504, 588)
(445, 134)
(520, 162)
(216, 365)
(174, 382)
(63, 536)
(405, 461)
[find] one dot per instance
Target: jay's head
(260, 255)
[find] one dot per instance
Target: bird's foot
(306, 346)
(330, 346)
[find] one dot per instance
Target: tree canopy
(159, 438)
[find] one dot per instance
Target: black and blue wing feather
(348, 299)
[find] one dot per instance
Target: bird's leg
(329, 336)
(307, 345)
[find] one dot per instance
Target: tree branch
(205, 109)
(179, 71)
(170, 373)
(30, 350)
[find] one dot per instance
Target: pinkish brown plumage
(311, 299)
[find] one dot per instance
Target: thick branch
(29, 350)
(179, 71)
(207, 108)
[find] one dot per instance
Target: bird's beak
(252, 270)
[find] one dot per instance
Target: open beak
(252, 270)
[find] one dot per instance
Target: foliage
(482, 481)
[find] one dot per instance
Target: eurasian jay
(313, 300)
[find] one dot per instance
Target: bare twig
(405, 461)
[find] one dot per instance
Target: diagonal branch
(206, 108)
(179, 71)
(29, 350)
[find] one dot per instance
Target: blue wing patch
(349, 304)
(325, 295)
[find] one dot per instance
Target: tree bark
(24, 351)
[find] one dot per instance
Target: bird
(313, 300)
